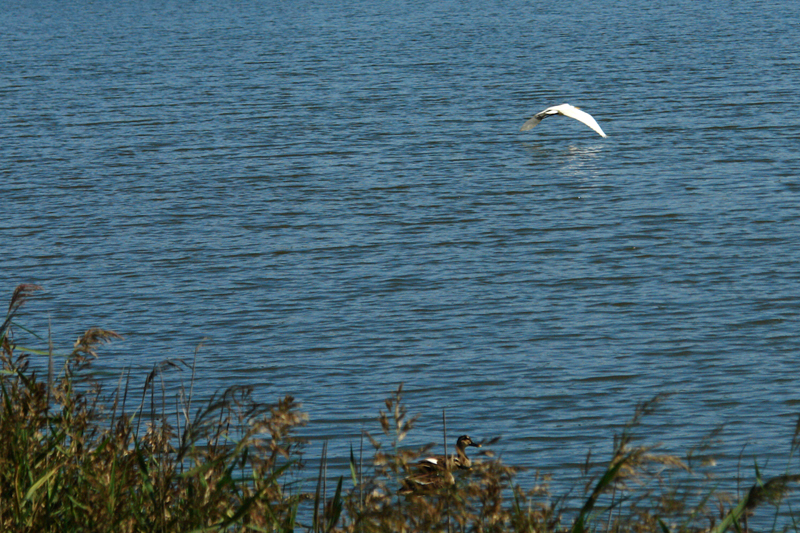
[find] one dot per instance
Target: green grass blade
(608, 477)
(336, 507)
(41, 481)
(353, 473)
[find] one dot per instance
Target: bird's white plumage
(568, 111)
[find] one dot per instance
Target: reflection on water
(576, 162)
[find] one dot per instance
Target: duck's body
(568, 111)
(425, 481)
(459, 460)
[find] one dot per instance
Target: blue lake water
(336, 199)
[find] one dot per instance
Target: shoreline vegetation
(74, 457)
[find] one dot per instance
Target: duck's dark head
(464, 441)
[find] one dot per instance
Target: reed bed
(74, 457)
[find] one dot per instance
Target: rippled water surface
(338, 198)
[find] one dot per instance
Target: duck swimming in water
(459, 460)
(436, 472)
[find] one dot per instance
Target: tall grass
(74, 457)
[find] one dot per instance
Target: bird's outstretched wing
(531, 122)
(581, 116)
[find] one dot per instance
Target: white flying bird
(568, 111)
